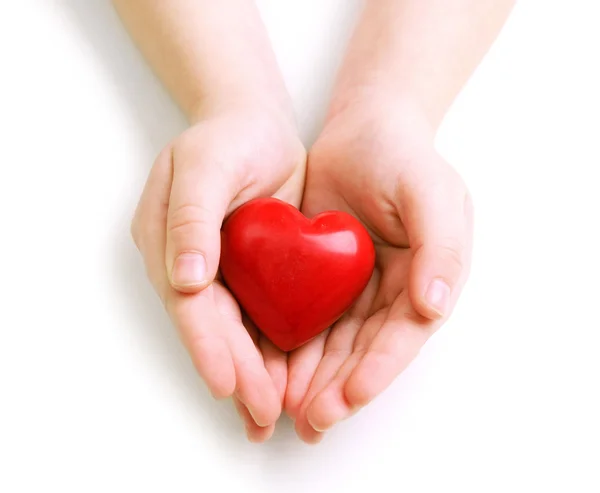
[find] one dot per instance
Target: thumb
(200, 195)
(439, 225)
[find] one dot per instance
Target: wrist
(378, 105)
(241, 100)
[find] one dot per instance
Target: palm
(350, 364)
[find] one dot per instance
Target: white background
(96, 393)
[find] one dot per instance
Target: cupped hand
(378, 163)
(227, 158)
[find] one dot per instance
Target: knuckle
(189, 141)
(187, 216)
(337, 353)
(452, 251)
(360, 348)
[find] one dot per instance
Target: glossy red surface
(292, 275)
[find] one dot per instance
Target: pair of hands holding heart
(371, 161)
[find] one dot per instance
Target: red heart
(292, 275)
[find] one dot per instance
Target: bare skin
(375, 159)
(242, 144)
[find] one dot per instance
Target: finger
(195, 318)
(275, 362)
(396, 344)
(200, 326)
(347, 338)
(200, 195)
(254, 385)
(338, 349)
(302, 365)
(255, 388)
(330, 405)
(255, 433)
(150, 219)
(438, 230)
(326, 371)
(329, 365)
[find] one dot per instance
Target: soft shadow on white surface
(158, 120)
(150, 105)
(309, 41)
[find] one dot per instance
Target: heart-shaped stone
(294, 276)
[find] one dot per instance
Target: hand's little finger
(255, 433)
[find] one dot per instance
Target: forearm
(208, 53)
(420, 51)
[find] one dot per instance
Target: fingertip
(190, 288)
(307, 433)
(269, 415)
(267, 409)
(302, 366)
(375, 373)
(255, 388)
(424, 309)
(222, 385)
(257, 434)
(276, 365)
(291, 405)
(357, 390)
(294, 397)
(328, 409)
(254, 433)
(368, 379)
(264, 419)
(437, 269)
(221, 390)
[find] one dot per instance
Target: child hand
(224, 160)
(379, 164)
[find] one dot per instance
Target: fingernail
(438, 296)
(189, 269)
(317, 428)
